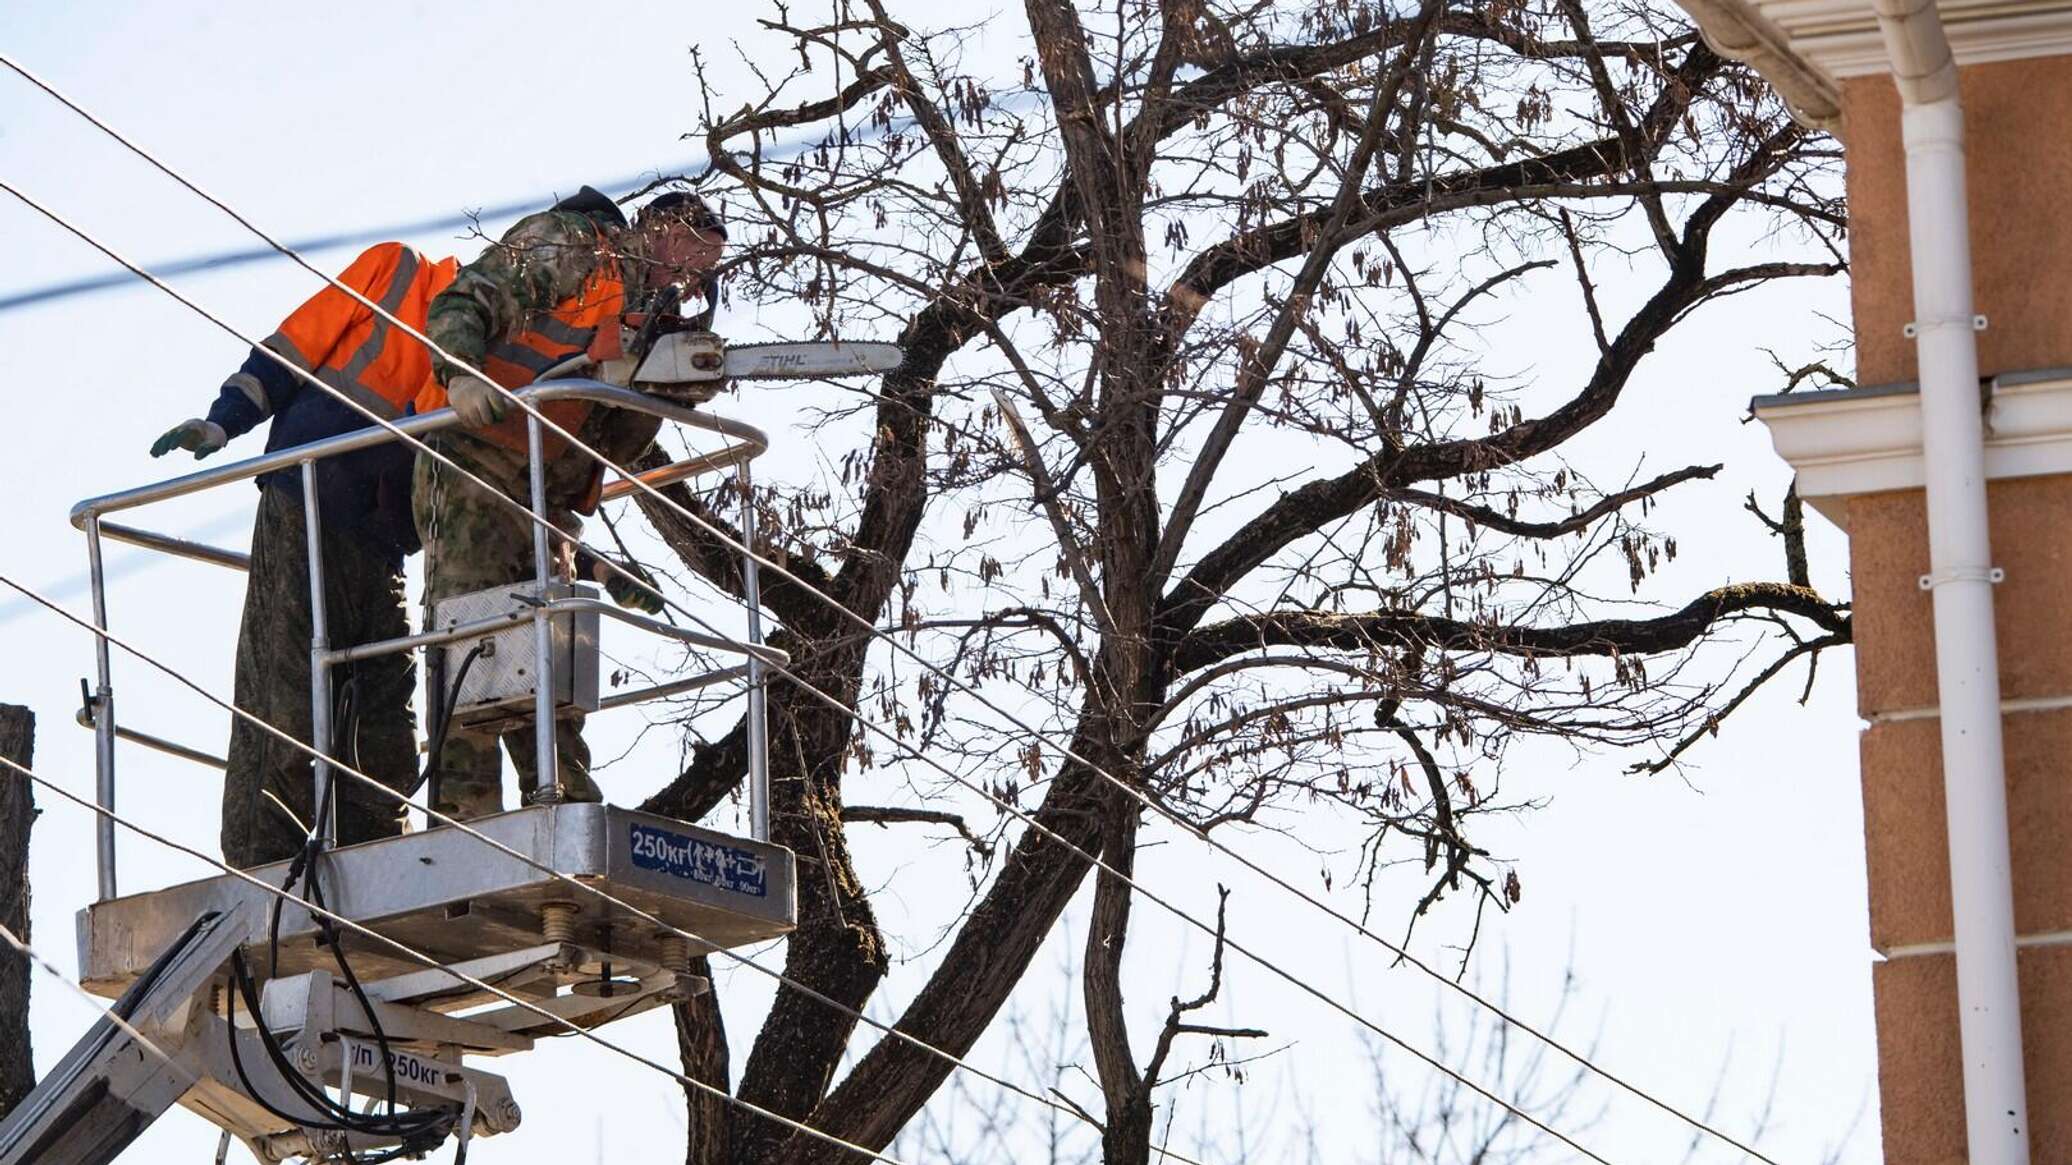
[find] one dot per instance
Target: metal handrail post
(85, 719)
(324, 820)
(104, 721)
(758, 704)
(547, 790)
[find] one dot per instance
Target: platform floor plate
(455, 897)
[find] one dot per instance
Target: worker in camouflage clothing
(547, 299)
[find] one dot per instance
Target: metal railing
(745, 442)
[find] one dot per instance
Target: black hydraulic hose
(347, 714)
(413, 1129)
(437, 743)
(328, 934)
(240, 982)
(305, 861)
(347, 1119)
(345, 967)
(334, 1116)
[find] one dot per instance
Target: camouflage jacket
(539, 263)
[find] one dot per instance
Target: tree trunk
(1126, 1136)
(17, 813)
(836, 949)
(701, 1041)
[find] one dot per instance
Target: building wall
(2020, 167)
(1919, 1068)
(2019, 160)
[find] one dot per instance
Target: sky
(1714, 922)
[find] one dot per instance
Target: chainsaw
(695, 365)
(678, 357)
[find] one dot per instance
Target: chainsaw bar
(806, 361)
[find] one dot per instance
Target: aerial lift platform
(341, 1032)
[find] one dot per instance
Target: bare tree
(17, 814)
(1290, 525)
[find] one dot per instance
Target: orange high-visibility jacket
(584, 325)
(337, 339)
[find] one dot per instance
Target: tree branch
(1308, 509)
(1256, 369)
(1811, 647)
(1575, 251)
(1047, 500)
(1607, 637)
(1176, 1025)
(1266, 245)
(1484, 516)
(1107, 1021)
(971, 198)
(713, 772)
(893, 815)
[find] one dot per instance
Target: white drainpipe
(1961, 579)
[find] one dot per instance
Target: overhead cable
(361, 236)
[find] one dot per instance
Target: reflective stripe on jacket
(341, 342)
(583, 328)
(372, 363)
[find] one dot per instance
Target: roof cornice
(1739, 31)
(1806, 47)
(1868, 440)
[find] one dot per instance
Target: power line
(871, 628)
(229, 260)
(419, 956)
(22, 948)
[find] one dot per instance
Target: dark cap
(684, 207)
(595, 203)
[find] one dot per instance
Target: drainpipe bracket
(1990, 574)
(1912, 329)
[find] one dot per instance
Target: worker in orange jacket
(367, 530)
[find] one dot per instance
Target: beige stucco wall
(2016, 115)
(2020, 169)
(1920, 1074)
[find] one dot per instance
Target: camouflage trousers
(372, 727)
(473, 542)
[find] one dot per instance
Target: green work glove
(479, 403)
(626, 592)
(204, 437)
